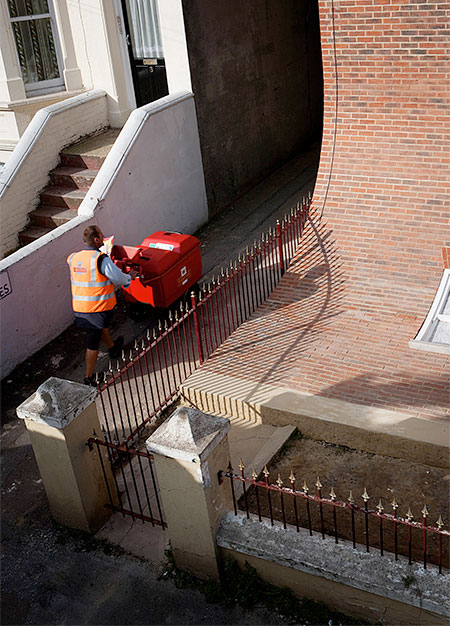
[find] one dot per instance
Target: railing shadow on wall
(141, 384)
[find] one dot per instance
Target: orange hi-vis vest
(92, 292)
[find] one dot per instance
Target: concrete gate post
(190, 448)
(60, 417)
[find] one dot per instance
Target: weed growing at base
(247, 589)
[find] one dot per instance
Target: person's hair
(90, 233)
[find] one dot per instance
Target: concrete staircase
(69, 183)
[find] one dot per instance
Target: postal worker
(93, 277)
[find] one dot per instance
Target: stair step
(81, 160)
(62, 196)
(76, 177)
(51, 216)
(31, 234)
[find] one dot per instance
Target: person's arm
(112, 272)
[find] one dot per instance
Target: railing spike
(439, 522)
(350, 498)
(123, 356)
(131, 355)
(394, 504)
(241, 465)
(318, 483)
(305, 488)
(333, 495)
(279, 481)
(380, 507)
(365, 496)
(254, 474)
(425, 512)
(118, 365)
(266, 471)
(409, 515)
(148, 334)
(292, 477)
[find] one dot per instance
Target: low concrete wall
(152, 179)
(37, 152)
(361, 584)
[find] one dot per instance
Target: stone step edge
(265, 455)
(366, 428)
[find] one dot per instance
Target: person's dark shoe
(116, 351)
(95, 379)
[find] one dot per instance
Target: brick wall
(340, 321)
(384, 175)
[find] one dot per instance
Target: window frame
(422, 339)
(43, 86)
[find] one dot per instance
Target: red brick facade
(384, 177)
(339, 323)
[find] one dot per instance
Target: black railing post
(280, 247)
(197, 327)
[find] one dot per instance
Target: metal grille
(372, 528)
(131, 482)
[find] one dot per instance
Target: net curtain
(145, 29)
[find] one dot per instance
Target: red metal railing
(131, 484)
(147, 379)
(317, 523)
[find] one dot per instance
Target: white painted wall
(151, 180)
(38, 307)
(26, 172)
(175, 46)
(153, 177)
(93, 28)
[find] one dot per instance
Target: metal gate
(130, 481)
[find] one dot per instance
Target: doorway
(145, 49)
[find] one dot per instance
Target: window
(434, 334)
(35, 35)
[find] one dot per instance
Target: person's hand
(133, 274)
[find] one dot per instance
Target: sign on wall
(5, 285)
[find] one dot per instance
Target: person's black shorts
(93, 324)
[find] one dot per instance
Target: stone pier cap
(57, 402)
(188, 434)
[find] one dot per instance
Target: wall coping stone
(340, 563)
(188, 435)
(57, 402)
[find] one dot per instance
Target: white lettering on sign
(162, 246)
(5, 285)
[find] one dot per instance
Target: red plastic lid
(171, 242)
